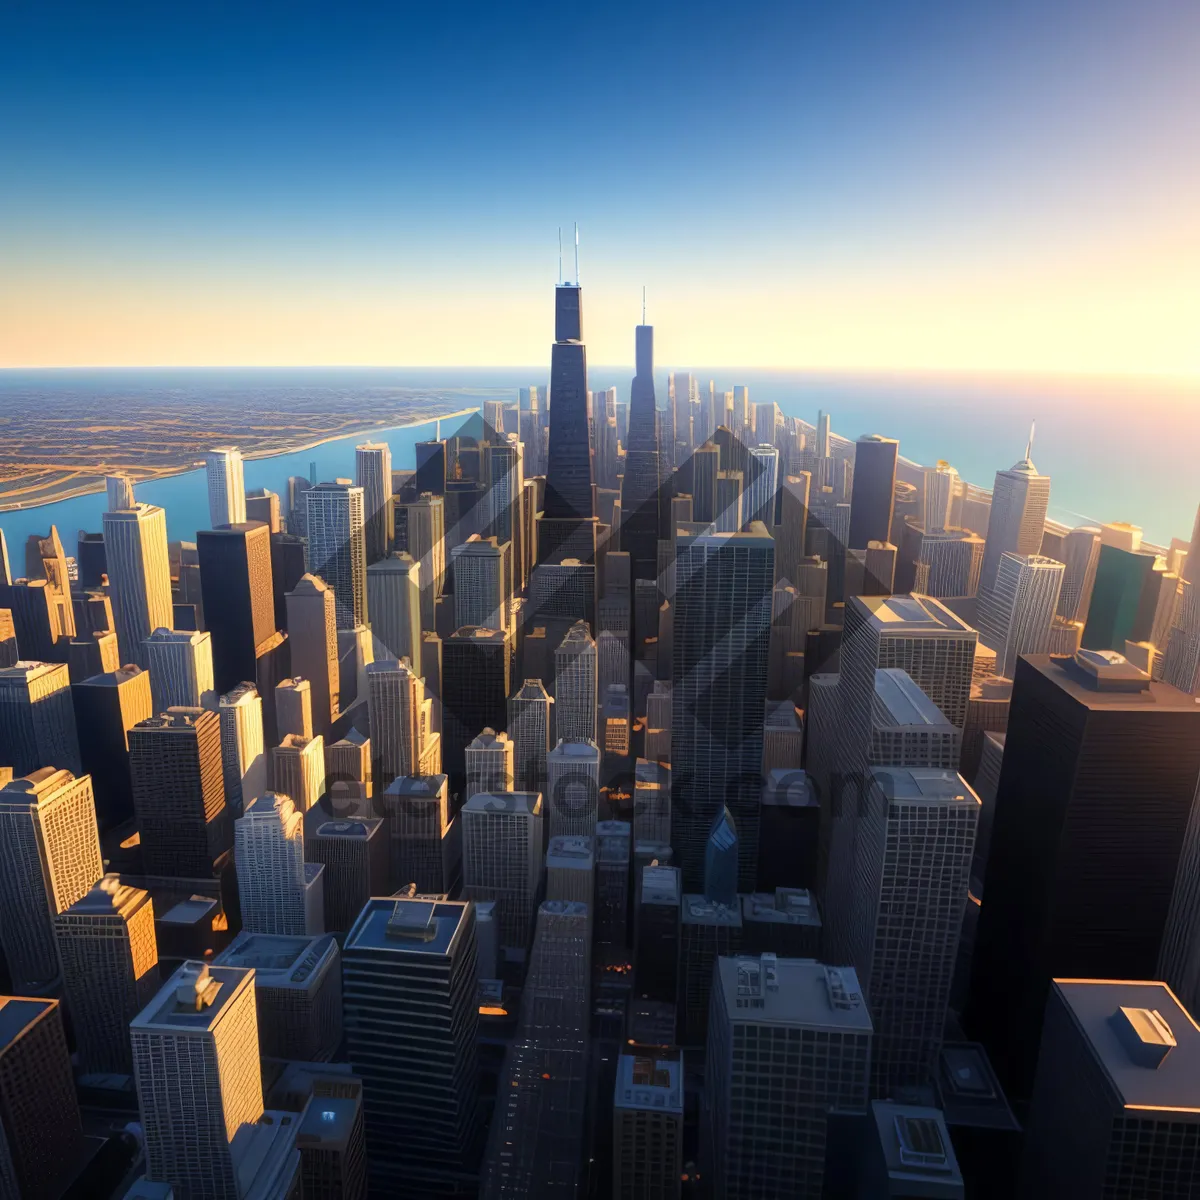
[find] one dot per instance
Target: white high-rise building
(294, 707)
(482, 577)
(180, 663)
(940, 482)
(504, 502)
(394, 601)
(502, 860)
(529, 728)
(298, 769)
(573, 788)
(199, 1078)
(243, 756)
(337, 547)
(139, 577)
(1081, 553)
(280, 893)
(226, 486)
(761, 484)
(119, 492)
(421, 531)
(912, 868)
(1018, 518)
(490, 763)
(395, 698)
(1181, 663)
(575, 685)
(373, 473)
(49, 858)
(1016, 613)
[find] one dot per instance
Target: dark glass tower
(567, 528)
(641, 498)
(476, 676)
(874, 490)
(721, 861)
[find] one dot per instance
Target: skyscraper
(179, 792)
(395, 695)
(394, 600)
(424, 837)
(482, 582)
(337, 548)
(719, 669)
(181, 669)
(354, 852)
(1081, 552)
(226, 486)
(761, 484)
(529, 728)
(642, 516)
(575, 684)
(476, 668)
(37, 719)
(874, 488)
(421, 531)
(505, 501)
(573, 788)
(1016, 614)
(243, 756)
(263, 505)
(109, 962)
(940, 483)
(415, 1052)
(1093, 747)
(489, 759)
(107, 707)
(1018, 517)
(49, 858)
(1122, 579)
(298, 770)
(373, 473)
(139, 576)
(293, 707)
(239, 602)
(195, 1054)
(280, 893)
(312, 627)
(648, 1122)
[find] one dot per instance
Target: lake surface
(1115, 450)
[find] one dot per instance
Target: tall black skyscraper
(476, 678)
(567, 528)
(874, 490)
(239, 606)
(641, 497)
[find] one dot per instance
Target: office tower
(312, 629)
(1181, 662)
(239, 600)
(37, 719)
(912, 861)
(571, 870)
(50, 857)
(948, 563)
(740, 410)
(298, 770)
(489, 762)
(1081, 553)
(263, 505)
(1015, 615)
(109, 962)
(505, 501)
(297, 991)
(766, 418)
(337, 548)
(791, 533)
(1018, 517)
(89, 558)
(564, 591)
(682, 388)
(94, 654)
(394, 601)
(502, 860)
(612, 656)
(293, 707)
(709, 928)
(119, 491)
(575, 685)
(226, 486)
(37, 620)
(652, 801)
(870, 572)
(43, 1144)
(613, 854)
(415, 1052)
(706, 462)
(719, 672)
(648, 1123)
(431, 474)
(424, 837)
(761, 484)
(179, 792)
(874, 487)
(8, 641)
(907, 728)
(783, 737)
(1114, 1108)
(940, 483)
(572, 788)
(784, 921)
(1093, 746)
(537, 1135)
(615, 719)
(181, 669)
(421, 531)
(287, 569)
(195, 1055)
(529, 728)
(789, 1042)
(243, 757)
(106, 708)
(278, 894)
(482, 582)
(348, 761)
(1122, 579)
(642, 515)
(332, 1143)
(567, 524)
(46, 560)
(730, 502)
(721, 860)
(373, 474)
(907, 1151)
(476, 667)
(395, 695)
(139, 576)
(354, 853)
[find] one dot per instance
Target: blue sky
(863, 185)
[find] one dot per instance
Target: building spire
(560, 278)
(1029, 444)
(576, 253)
(643, 304)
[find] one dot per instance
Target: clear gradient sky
(910, 184)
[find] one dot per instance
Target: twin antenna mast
(560, 270)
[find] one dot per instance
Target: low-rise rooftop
(793, 991)
(650, 1078)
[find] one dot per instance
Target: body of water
(1116, 450)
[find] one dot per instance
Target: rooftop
(923, 785)
(791, 906)
(327, 1121)
(1143, 1038)
(919, 615)
(194, 999)
(650, 1078)
(577, 749)
(570, 851)
(1069, 675)
(916, 1147)
(517, 803)
(660, 885)
(793, 991)
(190, 911)
(899, 701)
(109, 897)
(788, 787)
(280, 961)
(416, 785)
(358, 827)
(969, 1090)
(408, 926)
(17, 1013)
(699, 910)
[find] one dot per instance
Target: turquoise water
(1116, 450)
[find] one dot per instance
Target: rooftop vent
(1145, 1035)
(920, 1142)
(197, 989)
(413, 920)
(842, 988)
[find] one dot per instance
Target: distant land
(59, 442)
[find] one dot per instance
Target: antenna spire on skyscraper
(576, 253)
(1029, 446)
(560, 278)
(643, 304)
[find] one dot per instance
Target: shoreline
(72, 493)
